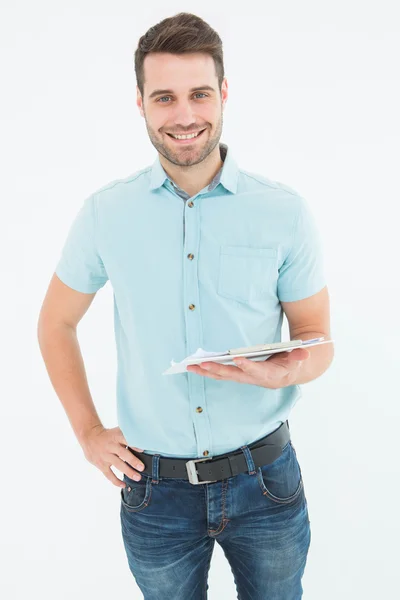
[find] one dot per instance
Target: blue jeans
(259, 518)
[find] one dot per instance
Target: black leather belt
(210, 470)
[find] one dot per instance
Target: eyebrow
(195, 89)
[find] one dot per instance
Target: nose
(183, 114)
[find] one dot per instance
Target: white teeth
(185, 137)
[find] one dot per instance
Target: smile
(186, 139)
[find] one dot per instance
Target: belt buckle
(192, 472)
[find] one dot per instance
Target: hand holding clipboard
(258, 352)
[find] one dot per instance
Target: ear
(224, 91)
(139, 101)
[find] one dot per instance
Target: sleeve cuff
(301, 294)
(76, 284)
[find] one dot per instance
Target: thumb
(298, 354)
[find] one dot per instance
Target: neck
(194, 178)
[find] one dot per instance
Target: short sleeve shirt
(208, 271)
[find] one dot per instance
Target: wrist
(85, 433)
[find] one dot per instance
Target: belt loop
(155, 468)
(249, 459)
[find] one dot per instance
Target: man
(199, 254)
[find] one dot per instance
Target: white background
(314, 97)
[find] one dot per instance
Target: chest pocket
(246, 273)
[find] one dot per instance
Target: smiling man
(199, 253)
(184, 121)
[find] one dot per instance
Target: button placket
(196, 387)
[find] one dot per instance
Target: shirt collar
(227, 175)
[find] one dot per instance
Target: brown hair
(181, 34)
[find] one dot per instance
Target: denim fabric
(259, 518)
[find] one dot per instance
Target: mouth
(186, 141)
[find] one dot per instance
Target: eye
(162, 97)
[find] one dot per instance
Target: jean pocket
(246, 273)
(281, 481)
(136, 495)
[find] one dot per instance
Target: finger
(215, 368)
(249, 366)
(133, 448)
(201, 371)
(131, 459)
(251, 371)
(113, 478)
(222, 372)
(298, 354)
(228, 373)
(126, 467)
(280, 354)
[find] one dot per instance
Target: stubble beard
(185, 157)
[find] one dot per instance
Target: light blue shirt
(206, 272)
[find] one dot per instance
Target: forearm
(64, 363)
(317, 363)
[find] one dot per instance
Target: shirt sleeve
(302, 272)
(80, 265)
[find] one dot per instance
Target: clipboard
(258, 352)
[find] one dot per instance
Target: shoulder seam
(129, 179)
(95, 219)
(277, 186)
(295, 223)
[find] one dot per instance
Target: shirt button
(206, 453)
(191, 306)
(190, 256)
(190, 204)
(199, 409)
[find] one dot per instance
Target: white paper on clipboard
(225, 358)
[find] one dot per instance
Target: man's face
(171, 106)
